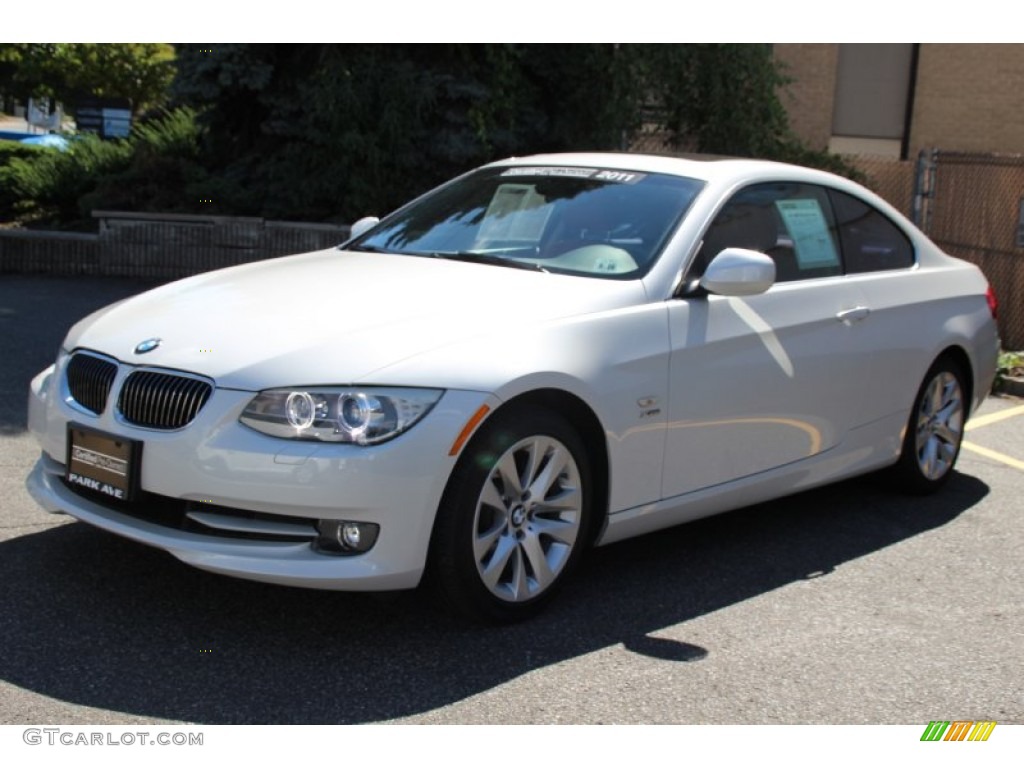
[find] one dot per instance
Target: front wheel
(514, 518)
(935, 430)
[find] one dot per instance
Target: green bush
(155, 169)
(163, 174)
(9, 192)
(49, 186)
(10, 150)
(172, 134)
(1010, 365)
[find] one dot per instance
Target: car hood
(333, 317)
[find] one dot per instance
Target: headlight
(364, 416)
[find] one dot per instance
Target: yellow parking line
(994, 455)
(992, 418)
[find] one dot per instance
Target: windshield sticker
(806, 224)
(598, 174)
(516, 213)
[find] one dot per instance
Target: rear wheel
(935, 430)
(514, 519)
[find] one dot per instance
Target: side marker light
(467, 430)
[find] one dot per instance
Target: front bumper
(218, 461)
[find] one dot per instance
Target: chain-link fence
(972, 206)
(893, 180)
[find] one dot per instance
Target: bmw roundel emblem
(146, 346)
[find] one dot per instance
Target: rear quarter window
(871, 242)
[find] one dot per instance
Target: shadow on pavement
(95, 620)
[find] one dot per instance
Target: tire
(934, 431)
(514, 519)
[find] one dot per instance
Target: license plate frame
(103, 463)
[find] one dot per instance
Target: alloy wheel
(527, 519)
(940, 425)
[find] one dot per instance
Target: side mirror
(739, 272)
(363, 225)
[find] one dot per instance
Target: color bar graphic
(982, 730)
(934, 730)
(958, 730)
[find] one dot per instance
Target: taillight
(993, 303)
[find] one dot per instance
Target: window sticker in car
(806, 224)
(598, 174)
(516, 213)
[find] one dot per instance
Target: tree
(26, 70)
(330, 131)
(720, 98)
(138, 72)
(335, 132)
(338, 131)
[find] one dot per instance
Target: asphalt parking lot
(848, 604)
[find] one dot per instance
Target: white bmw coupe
(544, 354)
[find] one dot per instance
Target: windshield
(585, 221)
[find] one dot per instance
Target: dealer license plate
(102, 463)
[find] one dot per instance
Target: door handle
(851, 316)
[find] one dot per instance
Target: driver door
(760, 382)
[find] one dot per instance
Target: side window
(791, 223)
(870, 241)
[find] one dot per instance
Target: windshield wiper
(485, 258)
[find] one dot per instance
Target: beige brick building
(895, 99)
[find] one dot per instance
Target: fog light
(350, 535)
(346, 537)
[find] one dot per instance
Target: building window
(873, 84)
